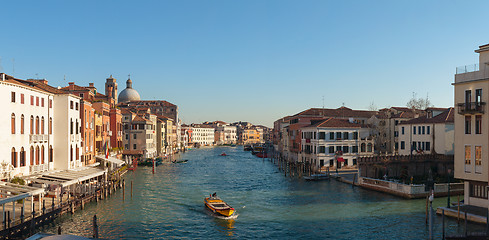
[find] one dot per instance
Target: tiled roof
(140, 119)
(339, 112)
(75, 87)
(445, 117)
(334, 123)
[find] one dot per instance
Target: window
(402, 130)
(428, 146)
(331, 135)
(76, 106)
(354, 149)
(37, 125)
(12, 123)
(477, 190)
(32, 100)
(322, 135)
(32, 124)
(338, 135)
(50, 125)
(331, 149)
(478, 155)
(51, 153)
(127, 136)
(42, 102)
(423, 129)
(396, 122)
(37, 101)
(345, 149)
(369, 147)
(71, 126)
(322, 149)
(71, 104)
(13, 97)
(345, 135)
(21, 98)
(467, 155)
(22, 157)
(414, 130)
(403, 145)
(338, 148)
(14, 158)
(32, 156)
(423, 145)
(363, 147)
(468, 119)
(419, 130)
(134, 146)
(77, 152)
(77, 127)
(42, 154)
(71, 153)
(134, 136)
(22, 124)
(478, 97)
(428, 130)
(50, 103)
(478, 124)
(468, 97)
(355, 135)
(42, 125)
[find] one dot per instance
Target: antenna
(64, 78)
(323, 101)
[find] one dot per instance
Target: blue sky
(251, 61)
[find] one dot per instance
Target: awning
(11, 192)
(69, 177)
(114, 160)
(340, 159)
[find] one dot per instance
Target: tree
(416, 103)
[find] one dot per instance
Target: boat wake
(216, 215)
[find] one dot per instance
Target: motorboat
(223, 154)
(216, 205)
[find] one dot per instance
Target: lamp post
(448, 199)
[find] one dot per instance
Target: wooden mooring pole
(95, 227)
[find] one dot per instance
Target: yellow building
(251, 136)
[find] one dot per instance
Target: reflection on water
(169, 204)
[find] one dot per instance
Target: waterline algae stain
(169, 204)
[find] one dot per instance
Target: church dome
(129, 94)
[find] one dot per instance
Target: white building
(332, 141)
(140, 133)
(433, 133)
(202, 135)
(28, 136)
(227, 135)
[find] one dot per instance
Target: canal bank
(169, 204)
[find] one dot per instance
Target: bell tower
(111, 85)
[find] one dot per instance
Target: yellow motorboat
(216, 205)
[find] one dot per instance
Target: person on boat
(214, 194)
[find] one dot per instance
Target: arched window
(12, 123)
(362, 147)
(32, 155)
(369, 147)
(71, 126)
(50, 125)
(42, 125)
(71, 153)
(22, 124)
(22, 157)
(77, 126)
(37, 155)
(42, 154)
(32, 124)
(14, 158)
(37, 125)
(50, 153)
(77, 153)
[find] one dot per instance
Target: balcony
(471, 108)
(38, 138)
(38, 168)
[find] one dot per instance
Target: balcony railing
(468, 68)
(471, 108)
(38, 168)
(35, 138)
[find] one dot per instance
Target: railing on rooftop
(468, 68)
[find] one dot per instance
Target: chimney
(44, 81)
(72, 86)
(90, 85)
(3, 76)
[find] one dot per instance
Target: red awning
(340, 159)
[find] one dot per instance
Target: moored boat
(261, 154)
(317, 177)
(216, 205)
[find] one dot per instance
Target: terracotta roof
(150, 103)
(40, 85)
(334, 123)
(445, 117)
(404, 109)
(75, 87)
(339, 112)
(126, 111)
(140, 119)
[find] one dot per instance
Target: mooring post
(426, 217)
(43, 206)
(443, 223)
(21, 214)
(52, 204)
(95, 227)
(59, 230)
(465, 218)
(8, 218)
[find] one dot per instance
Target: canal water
(169, 204)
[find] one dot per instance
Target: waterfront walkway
(474, 214)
